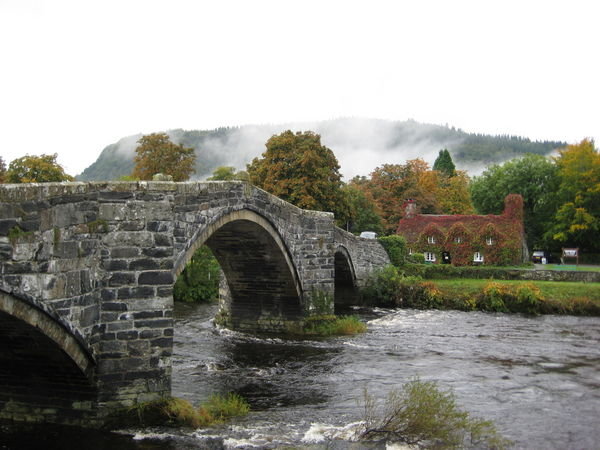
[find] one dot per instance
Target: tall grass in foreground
(421, 414)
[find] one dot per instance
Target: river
(537, 378)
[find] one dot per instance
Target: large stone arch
(45, 371)
(346, 289)
(263, 282)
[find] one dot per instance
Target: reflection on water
(538, 378)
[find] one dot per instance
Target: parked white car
(368, 235)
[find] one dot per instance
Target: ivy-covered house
(467, 239)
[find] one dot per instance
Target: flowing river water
(537, 378)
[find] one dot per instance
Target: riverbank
(392, 287)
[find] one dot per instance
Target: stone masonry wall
(100, 260)
(367, 254)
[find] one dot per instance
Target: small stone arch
(50, 326)
(46, 372)
(261, 276)
(346, 289)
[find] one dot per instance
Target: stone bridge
(87, 273)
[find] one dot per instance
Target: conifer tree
(444, 163)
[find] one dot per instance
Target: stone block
(155, 277)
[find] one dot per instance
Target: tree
(228, 173)
(577, 219)
(298, 169)
(362, 214)
(454, 194)
(157, 154)
(199, 281)
(36, 169)
(534, 177)
(391, 184)
(444, 163)
(2, 169)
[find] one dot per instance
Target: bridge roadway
(87, 273)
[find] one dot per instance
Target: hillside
(359, 144)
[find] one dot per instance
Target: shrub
(395, 246)
(528, 299)
(415, 258)
(492, 298)
(421, 414)
(383, 287)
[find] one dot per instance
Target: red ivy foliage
(505, 231)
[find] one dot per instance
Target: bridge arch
(346, 288)
(259, 269)
(44, 368)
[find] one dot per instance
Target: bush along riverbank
(392, 287)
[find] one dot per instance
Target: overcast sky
(77, 75)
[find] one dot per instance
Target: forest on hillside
(359, 144)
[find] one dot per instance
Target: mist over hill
(359, 144)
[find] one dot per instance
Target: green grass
(568, 297)
(177, 412)
(330, 325)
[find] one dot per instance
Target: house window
(478, 257)
(431, 239)
(489, 240)
(410, 251)
(430, 257)
(458, 239)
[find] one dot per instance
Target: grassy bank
(555, 297)
(390, 287)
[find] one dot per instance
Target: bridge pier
(87, 273)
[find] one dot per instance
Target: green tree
(534, 177)
(228, 173)
(362, 212)
(36, 169)
(577, 219)
(298, 169)
(2, 169)
(199, 281)
(157, 154)
(444, 163)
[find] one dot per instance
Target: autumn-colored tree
(157, 154)
(453, 194)
(36, 169)
(299, 169)
(391, 184)
(577, 220)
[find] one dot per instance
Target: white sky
(78, 75)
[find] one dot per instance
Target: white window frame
(431, 239)
(478, 257)
(429, 256)
(458, 240)
(410, 252)
(489, 240)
